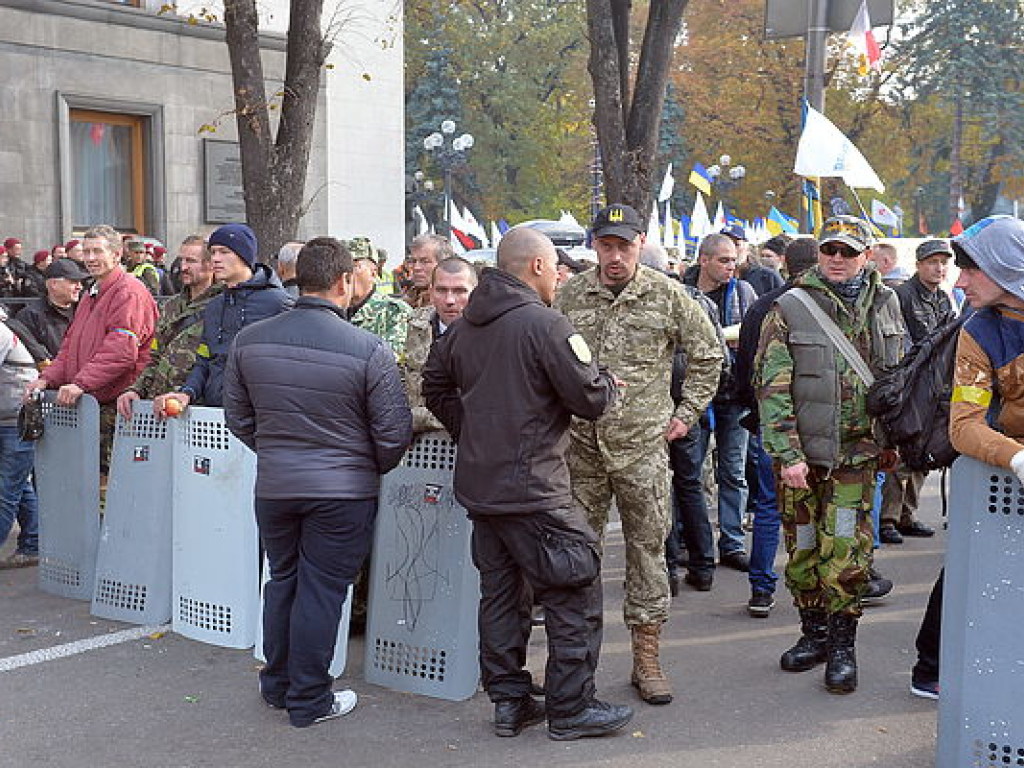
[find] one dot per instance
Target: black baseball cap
(932, 247)
(68, 268)
(618, 221)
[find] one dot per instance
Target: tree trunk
(274, 171)
(627, 123)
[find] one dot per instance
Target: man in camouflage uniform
(425, 253)
(817, 431)
(371, 310)
(633, 318)
(178, 331)
(450, 285)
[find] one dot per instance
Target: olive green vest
(816, 388)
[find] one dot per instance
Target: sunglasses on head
(833, 249)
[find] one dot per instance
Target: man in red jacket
(107, 345)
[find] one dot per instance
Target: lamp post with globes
(450, 152)
(725, 176)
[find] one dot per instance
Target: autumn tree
(274, 163)
(628, 104)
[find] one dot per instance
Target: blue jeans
(730, 475)
(876, 508)
(765, 541)
(17, 496)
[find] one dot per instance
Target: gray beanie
(996, 245)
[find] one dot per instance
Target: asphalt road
(170, 701)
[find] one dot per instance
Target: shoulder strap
(837, 337)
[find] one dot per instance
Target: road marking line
(79, 646)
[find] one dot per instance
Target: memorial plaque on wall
(223, 196)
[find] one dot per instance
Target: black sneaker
(926, 690)
(916, 529)
(699, 580)
(888, 534)
(512, 715)
(878, 588)
(737, 560)
(760, 604)
(598, 719)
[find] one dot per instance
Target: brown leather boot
(647, 678)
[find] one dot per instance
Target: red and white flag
(863, 40)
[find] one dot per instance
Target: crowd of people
(567, 387)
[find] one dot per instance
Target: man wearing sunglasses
(817, 431)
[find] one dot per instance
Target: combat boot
(647, 676)
(841, 668)
(811, 649)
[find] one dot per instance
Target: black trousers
(506, 550)
(315, 548)
(926, 670)
(690, 524)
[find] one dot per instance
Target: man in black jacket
(321, 403)
(43, 323)
(504, 380)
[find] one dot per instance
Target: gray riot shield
(133, 564)
(67, 472)
(215, 586)
(981, 720)
(421, 634)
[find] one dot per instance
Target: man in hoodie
(505, 380)
(252, 292)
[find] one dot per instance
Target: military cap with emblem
(618, 221)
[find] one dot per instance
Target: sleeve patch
(973, 395)
(580, 349)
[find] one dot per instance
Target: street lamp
(450, 152)
(724, 176)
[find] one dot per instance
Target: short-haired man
(251, 293)
(816, 428)
(284, 265)
(887, 264)
(716, 279)
(108, 343)
(634, 318)
(137, 260)
(425, 253)
(925, 306)
(42, 324)
(986, 419)
(371, 310)
(451, 284)
(761, 278)
(511, 475)
(179, 330)
(318, 469)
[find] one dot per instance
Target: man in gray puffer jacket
(322, 404)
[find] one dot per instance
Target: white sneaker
(344, 702)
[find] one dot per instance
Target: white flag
(825, 151)
(422, 225)
(667, 185)
(653, 225)
(720, 220)
(700, 223)
(495, 235)
(668, 234)
(882, 214)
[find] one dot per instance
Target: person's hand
(124, 403)
(68, 394)
(160, 407)
(676, 429)
(888, 460)
(795, 476)
(33, 386)
(1017, 465)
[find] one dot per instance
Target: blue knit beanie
(239, 238)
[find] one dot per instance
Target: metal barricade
(68, 485)
(133, 565)
(215, 589)
(421, 634)
(981, 720)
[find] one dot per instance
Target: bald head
(519, 247)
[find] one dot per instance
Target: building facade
(121, 112)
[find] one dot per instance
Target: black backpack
(911, 402)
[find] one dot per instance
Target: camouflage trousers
(641, 493)
(829, 537)
(108, 421)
